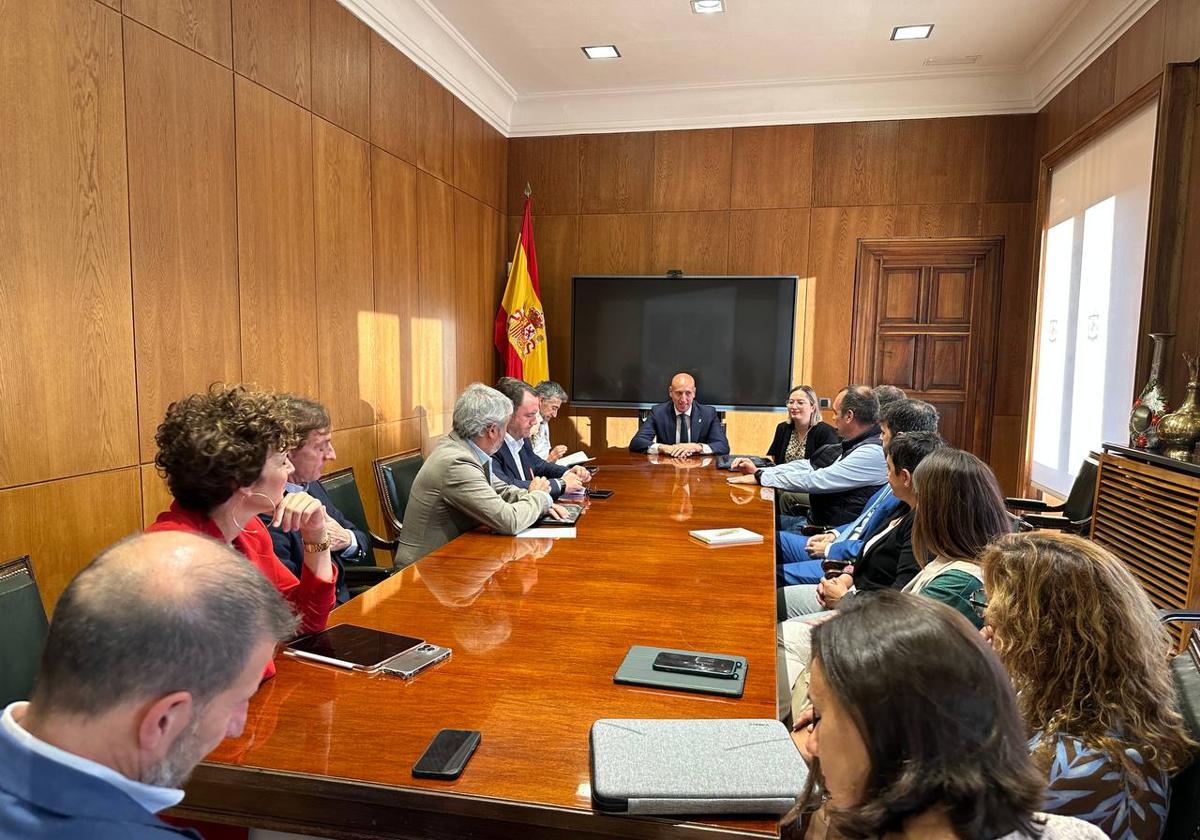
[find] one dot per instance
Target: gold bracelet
(317, 548)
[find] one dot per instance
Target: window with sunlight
(1093, 261)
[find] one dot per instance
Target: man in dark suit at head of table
(681, 427)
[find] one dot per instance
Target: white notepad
(727, 536)
(573, 459)
(552, 531)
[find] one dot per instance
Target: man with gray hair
(153, 654)
(455, 490)
(551, 397)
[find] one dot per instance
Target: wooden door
(925, 320)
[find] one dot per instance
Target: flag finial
(528, 190)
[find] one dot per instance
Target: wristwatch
(317, 547)
(758, 476)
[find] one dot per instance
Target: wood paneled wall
(790, 199)
(223, 190)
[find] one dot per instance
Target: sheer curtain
(1094, 253)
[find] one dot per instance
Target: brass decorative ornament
(1179, 431)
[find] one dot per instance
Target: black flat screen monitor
(630, 335)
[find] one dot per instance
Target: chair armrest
(382, 544)
(367, 575)
(1167, 616)
(1031, 504)
(1036, 520)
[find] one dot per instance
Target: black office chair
(23, 627)
(1183, 818)
(1074, 516)
(342, 489)
(394, 476)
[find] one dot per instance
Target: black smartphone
(597, 493)
(705, 666)
(447, 754)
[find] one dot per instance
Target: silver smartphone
(410, 663)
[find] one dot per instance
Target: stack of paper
(573, 459)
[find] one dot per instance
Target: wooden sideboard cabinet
(1147, 512)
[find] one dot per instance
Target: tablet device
(351, 646)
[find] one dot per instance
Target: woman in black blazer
(804, 432)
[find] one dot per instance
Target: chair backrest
(395, 475)
(342, 489)
(1183, 819)
(23, 627)
(1078, 505)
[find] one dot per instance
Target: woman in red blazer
(224, 456)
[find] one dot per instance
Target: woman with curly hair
(224, 454)
(1089, 660)
(914, 731)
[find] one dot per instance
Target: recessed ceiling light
(707, 7)
(603, 51)
(914, 32)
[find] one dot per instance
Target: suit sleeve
(501, 471)
(289, 548)
(545, 468)
(467, 490)
(717, 442)
(645, 435)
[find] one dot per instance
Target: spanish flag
(520, 333)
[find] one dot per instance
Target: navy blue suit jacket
(41, 799)
(289, 545)
(660, 426)
(509, 472)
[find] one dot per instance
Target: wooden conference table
(538, 628)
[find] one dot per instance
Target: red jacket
(311, 597)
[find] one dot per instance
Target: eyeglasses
(978, 602)
(798, 402)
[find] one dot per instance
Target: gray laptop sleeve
(694, 767)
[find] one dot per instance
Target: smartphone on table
(447, 754)
(705, 666)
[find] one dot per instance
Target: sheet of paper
(553, 531)
(573, 459)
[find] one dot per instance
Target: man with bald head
(150, 661)
(681, 427)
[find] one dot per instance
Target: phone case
(454, 765)
(410, 663)
(638, 669)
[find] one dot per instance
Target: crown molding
(1081, 38)
(420, 31)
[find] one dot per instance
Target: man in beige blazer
(455, 490)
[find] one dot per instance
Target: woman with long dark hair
(914, 730)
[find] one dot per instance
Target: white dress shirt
(515, 446)
(539, 439)
(151, 797)
(681, 417)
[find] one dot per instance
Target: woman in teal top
(959, 511)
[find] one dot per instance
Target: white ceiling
(534, 44)
(519, 64)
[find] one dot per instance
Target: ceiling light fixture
(912, 32)
(603, 51)
(707, 7)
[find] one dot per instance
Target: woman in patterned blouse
(804, 432)
(1089, 661)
